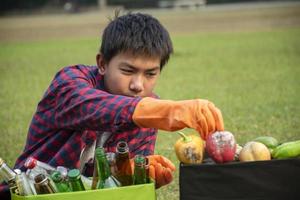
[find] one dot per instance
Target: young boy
(115, 98)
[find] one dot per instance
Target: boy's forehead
(137, 55)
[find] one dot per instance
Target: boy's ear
(100, 63)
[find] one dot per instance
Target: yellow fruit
(189, 149)
(253, 151)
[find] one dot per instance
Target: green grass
(253, 77)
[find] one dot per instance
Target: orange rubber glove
(168, 115)
(160, 170)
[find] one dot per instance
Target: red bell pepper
(221, 146)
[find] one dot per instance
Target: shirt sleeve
(74, 103)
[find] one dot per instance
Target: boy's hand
(160, 170)
(168, 115)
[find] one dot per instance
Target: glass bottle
(60, 183)
(147, 169)
(29, 181)
(111, 158)
(63, 171)
(75, 181)
(35, 167)
(23, 185)
(106, 180)
(8, 175)
(139, 176)
(124, 170)
(43, 185)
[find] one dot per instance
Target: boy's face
(129, 75)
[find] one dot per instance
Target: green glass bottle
(60, 183)
(147, 165)
(75, 180)
(139, 176)
(106, 180)
(124, 171)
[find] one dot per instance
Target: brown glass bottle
(124, 170)
(43, 185)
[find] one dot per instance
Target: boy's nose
(136, 84)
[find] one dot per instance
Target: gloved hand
(160, 170)
(168, 115)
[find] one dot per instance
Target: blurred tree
(134, 3)
(72, 5)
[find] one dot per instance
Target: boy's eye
(151, 74)
(127, 71)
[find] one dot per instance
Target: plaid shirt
(72, 110)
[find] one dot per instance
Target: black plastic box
(261, 180)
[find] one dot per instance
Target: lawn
(252, 76)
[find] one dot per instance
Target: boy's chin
(131, 94)
(134, 95)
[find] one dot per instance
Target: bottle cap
(74, 174)
(56, 176)
(30, 163)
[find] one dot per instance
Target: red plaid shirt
(73, 108)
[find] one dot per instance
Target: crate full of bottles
(115, 176)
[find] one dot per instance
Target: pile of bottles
(110, 170)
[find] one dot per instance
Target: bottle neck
(74, 177)
(140, 161)
(140, 176)
(122, 155)
(122, 148)
(103, 167)
(7, 173)
(43, 185)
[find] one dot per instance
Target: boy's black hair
(140, 34)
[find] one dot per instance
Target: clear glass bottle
(139, 176)
(23, 185)
(8, 175)
(106, 180)
(63, 171)
(111, 158)
(36, 167)
(124, 170)
(75, 181)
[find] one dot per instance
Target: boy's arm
(168, 115)
(77, 105)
